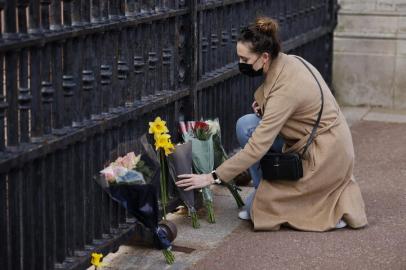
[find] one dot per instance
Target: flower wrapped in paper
(127, 181)
(180, 162)
(203, 159)
(205, 129)
(122, 171)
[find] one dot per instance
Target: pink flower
(108, 173)
(120, 166)
(130, 160)
(119, 161)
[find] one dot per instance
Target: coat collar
(272, 75)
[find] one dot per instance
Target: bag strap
(313, 133)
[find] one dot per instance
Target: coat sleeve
(279, 107)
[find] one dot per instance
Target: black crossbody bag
(288, 166)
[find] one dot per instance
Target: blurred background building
(370, 53)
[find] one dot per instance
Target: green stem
(164, 198)
(233, 189)
(195, 220)
(210, 212)
(169, 257)
(208, 202)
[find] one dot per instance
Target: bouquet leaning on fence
(206, 129)
(126, 180)
(203, 158)
(180, 162)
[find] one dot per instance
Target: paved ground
(381, 173)
(231, 244)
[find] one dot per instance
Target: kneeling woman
(287, 105)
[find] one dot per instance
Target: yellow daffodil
(169, 148)
(96, 259)
(164, 145)
(161, 140)
(156, 136)
(158, 126)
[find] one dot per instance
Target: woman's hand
(256, 108)
(193, 181)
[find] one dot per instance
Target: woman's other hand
(193, 181)
(256, 108)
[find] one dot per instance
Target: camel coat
(290, 100)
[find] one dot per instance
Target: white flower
(214, 126)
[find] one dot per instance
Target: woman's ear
(267, 57)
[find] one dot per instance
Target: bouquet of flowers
(180, 162)
(203, 158)
(125, 181)
(125, 170)
(205, 129)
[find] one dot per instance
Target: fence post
(194, 58)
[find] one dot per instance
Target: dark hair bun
(263, 36)
(266, 25)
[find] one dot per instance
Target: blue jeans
(244, 128)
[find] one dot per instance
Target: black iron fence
(82, 78)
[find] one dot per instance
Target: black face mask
(248, 70)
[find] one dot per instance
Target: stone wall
(370, 53)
